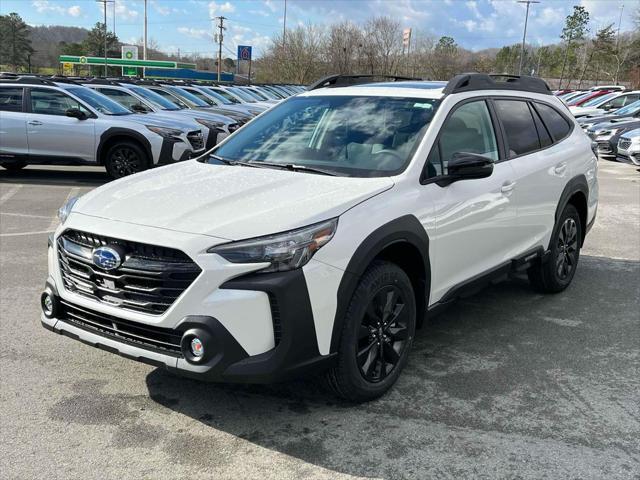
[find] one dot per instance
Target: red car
(586, 97)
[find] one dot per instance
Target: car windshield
(600, 99)
(170, 98)
(630, 109)
(361, 136)
(579, 98)
(187, 96)
(202, 96)
(242, 95)
(256, 94)
(156, 99)
(99, 102)
(226, 95)
(223, 100)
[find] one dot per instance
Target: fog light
(197, 347)
(48, 305)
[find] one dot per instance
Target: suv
(319, 236)
(45, 122)
(629, 147)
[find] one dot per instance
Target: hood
(229, 202)
(615, 123)
(205, 115)
(162, 120)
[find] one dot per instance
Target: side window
(522, 136)
(53, 102)
(469, 129)
(11, 99)
(543, 133)
(615, 103)
(556, 124)
(123, 98)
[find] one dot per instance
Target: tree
(229, 64)
(575, 28)
(15, 47)
(73, 48)
(94, 43)
(444, 62)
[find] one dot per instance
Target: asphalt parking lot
(504, 384)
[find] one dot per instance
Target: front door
(13, 130)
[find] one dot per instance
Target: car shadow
(489, 377)
(82, 177)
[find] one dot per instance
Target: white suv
(319, 236)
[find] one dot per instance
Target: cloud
(162, 10)
(218, 8)
(123, 11)
(261, 13)
(45, 6)
(74, 11)
(199, 33)
(270, 5)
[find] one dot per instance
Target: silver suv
(46, 122)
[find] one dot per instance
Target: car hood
(616, 123)
(162, 120)
(203, 114)
(228, 202)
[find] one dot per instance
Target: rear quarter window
(11, 99)
(557, 125)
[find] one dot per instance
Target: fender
(114, 131)
(404, 229)
(576, 184)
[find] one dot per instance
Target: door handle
(507, 187)
(560, 168)
(34, 122)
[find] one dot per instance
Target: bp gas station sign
(129, 52)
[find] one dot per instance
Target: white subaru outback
(319, 236)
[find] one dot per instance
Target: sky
(186, 25)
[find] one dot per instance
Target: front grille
(149, 280)
(275, 318)
(624, 143)
(196, 140)
(162, 340)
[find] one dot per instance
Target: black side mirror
(139, 108)
(467, 166)
(76, 113)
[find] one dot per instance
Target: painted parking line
(9, 193)
(26, 215)
(18, 234)
(72, 193)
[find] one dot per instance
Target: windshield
(170, 98)
(187, 96)
(256, 94)
(579, 98)
(202, 97)
(361, 136)
(242, 95)
(600, 99)
(212, 93)
(98, 101)
(630, 109)
(226, 95)
(154, 98)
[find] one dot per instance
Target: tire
(15, 166)
(556, 273)
(125, 158)
(384, 288)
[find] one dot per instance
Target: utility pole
(524, 35)
(284, 28)
(619, 22)
(144, 39)
(221, 28)
(104, 6)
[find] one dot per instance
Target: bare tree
(382, 45)
(344, 42)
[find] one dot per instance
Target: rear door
(54, 136)
(13, 128)
(534, 134)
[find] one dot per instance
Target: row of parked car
(127, 125)
(610, 115)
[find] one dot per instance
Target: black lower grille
(275, 318)
(162, 340)
(196, 140)
(149, 279)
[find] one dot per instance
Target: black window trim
(497, 129)
(27, 106)
(569, 121)
(23, 96)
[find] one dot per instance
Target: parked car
(585, 97)
(244, 97)
(214, 99)
(629, 147)
(632, 110)
(138, 99)
(44, 122)
(605, 103)
(605, 135)
(609, 88)
(234, 99)
(321, 235)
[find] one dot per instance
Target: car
(245, 97)
(631, 110)
(605, 135)
(586, 97)
(321, 235)
(629, 147)
(610, 88)
(47, 122)
(214, 99)
(139, 99)
(605, 103)
(253, 108)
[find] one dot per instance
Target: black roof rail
(348, 80)
(28, 80)
(468, 82)
(101, 81)
(61, 79)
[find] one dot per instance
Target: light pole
(524, 35)
(104, 5)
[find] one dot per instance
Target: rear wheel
(557, 272)
(377, 335)
(14, 166)
(125, 159)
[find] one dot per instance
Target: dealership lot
(504, 384)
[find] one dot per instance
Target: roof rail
(348, 80)
(62, 79)
(468, 82)
(28, 80)
(101, 81)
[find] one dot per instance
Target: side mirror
(76, 113)
(467, 166)
(138, 108)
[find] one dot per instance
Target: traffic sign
(244, 52)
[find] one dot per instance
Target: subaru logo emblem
(106, 258)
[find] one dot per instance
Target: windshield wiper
(291, 167)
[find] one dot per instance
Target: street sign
(67, 69)
(244, 52)
(129, 52)
(406, 37)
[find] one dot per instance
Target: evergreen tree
(15, 44)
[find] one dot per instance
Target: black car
(631, 110)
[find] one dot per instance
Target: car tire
(125, 158)
(556, 273)
(15, 166)
(378, 331)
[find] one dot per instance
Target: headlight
(211, 124)
(166, 132)
(65, 210)
(284, 251)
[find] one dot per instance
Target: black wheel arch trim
(577, 184)
(124, 132)
(405, 229)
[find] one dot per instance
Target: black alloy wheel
(567, 249)
(125, 159)
(383, 334)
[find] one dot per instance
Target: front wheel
(377, 334)
(125, 159)
(556, 273)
